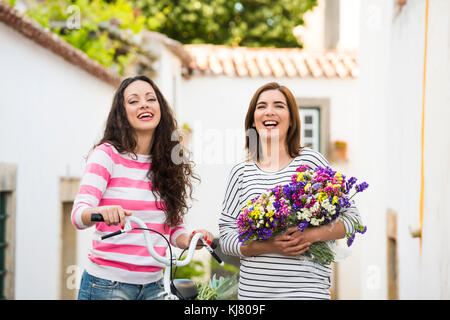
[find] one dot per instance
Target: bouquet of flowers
(315, 197)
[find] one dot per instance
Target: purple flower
(302, 226)
(361, 187)
(350, 239)
(316, 185)
(363, 230)
(291, 198)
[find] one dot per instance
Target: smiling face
(142, 107)
(272, 116)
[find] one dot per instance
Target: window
(314, 119)
(310, 133)
(3, 243)
(7, 229)
(70, 271)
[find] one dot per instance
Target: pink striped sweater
(111, 178)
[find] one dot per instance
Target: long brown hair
(172, 181)
(293, 134)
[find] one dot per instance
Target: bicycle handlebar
(96, 217)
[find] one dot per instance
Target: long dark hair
(171, 180)
(293, 134)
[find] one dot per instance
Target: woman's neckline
(276, 171)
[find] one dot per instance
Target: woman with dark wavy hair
(132, 171)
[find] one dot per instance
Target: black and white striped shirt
(272, 276)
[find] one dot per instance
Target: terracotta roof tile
(271, 62)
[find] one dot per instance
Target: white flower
(315, 207)
(304, 214)
(267, 193)
(316, 222)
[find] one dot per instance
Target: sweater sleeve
(93, 183)
(177, 231)
(229, 241)
(348, 216)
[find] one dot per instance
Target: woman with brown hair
(131, 171)
(275, 268)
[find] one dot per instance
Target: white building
(52, 108)
(404, 148)
(55, 100)
(51, 120)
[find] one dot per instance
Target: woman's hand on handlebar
(112, 215)
(184, 240)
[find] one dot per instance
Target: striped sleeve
(348, 216)
(228, 229)
(93, 183)
(177, 231)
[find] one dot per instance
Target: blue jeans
(93, 288)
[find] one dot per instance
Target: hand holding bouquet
(315, 197)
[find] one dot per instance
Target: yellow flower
(338, 176)
(322, 196)
(300, 177)
(335, 199)
(307, 186)
(255, 213)
(270, 213)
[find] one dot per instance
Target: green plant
(87, 31)
(223, 288)
(228, 22)
(219, 287)
(193, 270)
(186, 127)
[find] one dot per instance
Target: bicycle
(174, 289)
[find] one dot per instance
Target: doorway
(68, 271)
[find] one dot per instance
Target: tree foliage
(79, 22)
(228, 22)
(242, 22)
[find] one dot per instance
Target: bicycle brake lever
(126, 228)
(208, 247)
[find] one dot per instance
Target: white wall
(51, 114)
(392, 61)
(436, 249)
(168, 75)
(424, 274)
(349, 11)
